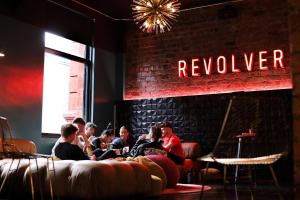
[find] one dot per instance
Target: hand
(93, 157)
(117, 151)
(79, 133)
(103, 145)
(85, 148)
(125, 150)
(142, 137)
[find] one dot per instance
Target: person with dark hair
(104, 139)
(101, 145)
(65, 150)
(172, 144)
(79, 120)
(125, 142)
(81, 139)
(153, 142)
(90, 129)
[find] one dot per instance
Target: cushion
(212, 173)
(22, 145)
(153, 168)
(88, 179)
(170, 168)
(191, 149)
(153, 151)
(157, 185)
(188, 164)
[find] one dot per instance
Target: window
(66, 81)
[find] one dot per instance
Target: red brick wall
(242, 27)
(76, 83)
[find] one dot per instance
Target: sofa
(84, 179)
(189, 172)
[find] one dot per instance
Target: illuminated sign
(222, 67)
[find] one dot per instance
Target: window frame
(88, 62)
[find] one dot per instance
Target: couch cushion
(14, 181)
(170, 168)
(157, 185)
(97, 179)
(153, 168)
(191, 149)
(22, 145)
(81, 179)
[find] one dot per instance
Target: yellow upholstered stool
(212, 174)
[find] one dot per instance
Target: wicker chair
(237, 146)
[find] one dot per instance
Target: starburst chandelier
(155, 15)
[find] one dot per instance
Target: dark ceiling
(120, 9)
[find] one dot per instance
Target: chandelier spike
(155, 15)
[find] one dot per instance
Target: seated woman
(104, 140)
(142, 144)
(101, 143)
(124, 143)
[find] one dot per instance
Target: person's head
(90, 129)
(79, 121)
(123, 133)
(68, 132)
(107, 135)
(155, 133)
(166, 129)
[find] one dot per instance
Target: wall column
(294, 36)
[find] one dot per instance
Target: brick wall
(76, 83)
(294, 28)
(242, 27)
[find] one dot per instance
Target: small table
(240, 137)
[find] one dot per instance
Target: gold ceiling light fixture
(155, 15)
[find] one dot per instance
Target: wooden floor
(232, 192)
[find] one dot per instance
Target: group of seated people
(78, 142)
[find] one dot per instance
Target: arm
(55, 145)
(140, 150)
(135, 148)
(78, 154)
(116, 143)
(96, 143)
(173, 141)
(85, 140)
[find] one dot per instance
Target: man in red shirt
(172, 143)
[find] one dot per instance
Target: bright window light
(65, 45)
(63, 86)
